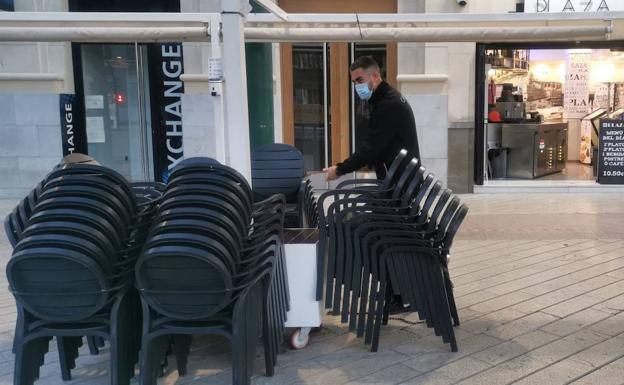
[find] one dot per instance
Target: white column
(216, 90)
(235, 86)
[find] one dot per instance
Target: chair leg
(451, 297)
(181, 349)
(386, 307)
(378, 317)
(19, 327)
(93, 346)
(68, 352)
(152, 350)
(29, 358)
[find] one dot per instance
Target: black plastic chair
(278, 168)
(418, 270)
(334, 267)
(368, 187)
(212, 264)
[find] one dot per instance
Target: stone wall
(30, 141)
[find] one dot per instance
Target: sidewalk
(539, 280)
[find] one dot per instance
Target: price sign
(611, 152)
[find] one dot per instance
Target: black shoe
(398, 308)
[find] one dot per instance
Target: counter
(535, 149)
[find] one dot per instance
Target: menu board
(576, 87)
(611, 152)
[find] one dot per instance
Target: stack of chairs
(71, 270)
(308, 208)
(388, 238)
(212, 264)
(279, 168)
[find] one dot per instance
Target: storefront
(539, 108)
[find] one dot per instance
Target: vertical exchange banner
(166, 89)
(73, 133)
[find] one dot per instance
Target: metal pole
(235, 74)
(216, 90)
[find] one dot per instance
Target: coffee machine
(510, 107)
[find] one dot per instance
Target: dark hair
(366, 63)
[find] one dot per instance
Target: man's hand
(331, 173)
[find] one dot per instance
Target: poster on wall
(604, 94)
(611, 152)
(72, 125)
(576, 86)
(541, 6)
(166, 89)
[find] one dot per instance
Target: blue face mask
(363, 91)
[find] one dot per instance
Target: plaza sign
(540, 6)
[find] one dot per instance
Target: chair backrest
(437, 210)
(277, 169)
(444, 223)
(433, 194)
(409, 173)
(453, 227)
(394, 171)
(425, 191)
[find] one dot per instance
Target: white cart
(301, 264)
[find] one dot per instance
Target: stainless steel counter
(535, 149)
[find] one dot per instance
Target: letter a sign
(541, 6)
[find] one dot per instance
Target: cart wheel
(299, 338)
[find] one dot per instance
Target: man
(392, 125)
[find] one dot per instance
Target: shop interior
(543, 110)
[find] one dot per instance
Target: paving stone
(506, 372)
(357, 369)
(575, 322)
(601, 353)
(543, 301)
(430, 360)
(430, 379)
(522, 325)
(393, 375)
(611, 374)
(492, 320)
(501, 302)
(462, 368)
(613, 306)
(611, 326)
(560, 349)
(559, 373)
(514, 348)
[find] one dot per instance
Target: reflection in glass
(116, 117)
(310, 103)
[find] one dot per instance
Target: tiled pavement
(539, 283)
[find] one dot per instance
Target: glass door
(359, 109)
(117, 109)
(311, 103)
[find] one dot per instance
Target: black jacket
(392, 128)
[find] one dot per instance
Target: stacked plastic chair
(349, 188)
(212, 264)
(71, 271)
(279, 168)
(397, 236)
(308, 208)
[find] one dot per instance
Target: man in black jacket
(392, 125)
